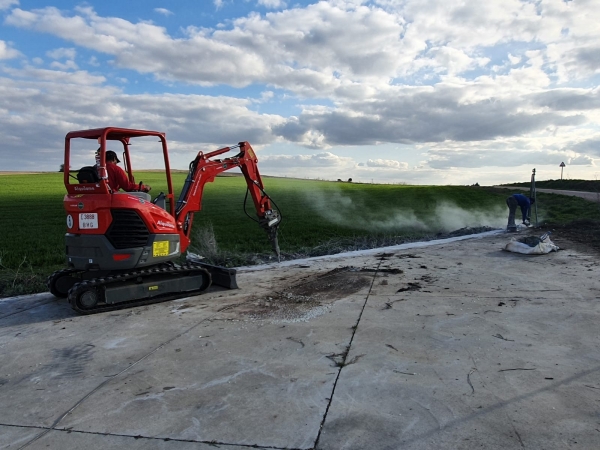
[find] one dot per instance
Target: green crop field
(318, 218)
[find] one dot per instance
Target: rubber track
(84, 285)
(57, 273)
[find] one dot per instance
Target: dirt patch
(308, 298)
(407, 256)
(581, 235)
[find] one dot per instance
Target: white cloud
(323, 160)
(590, 145)
(456, 112)
(476, 84)
(581, 160)
(387, 163)
(57, 78)
(163, 11)
(6, 52)
(271, 3)
(37, 96)
(6, 4)
(67, 65)
(327, 46)
(450, 60)
(62, 53)
(514, 59)
(473, 158)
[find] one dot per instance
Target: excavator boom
(203, 169)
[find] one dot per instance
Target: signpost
(562, 166)
(532, 194)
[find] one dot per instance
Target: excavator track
(89, 296)
(60, 281)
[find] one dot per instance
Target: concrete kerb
(368, 252)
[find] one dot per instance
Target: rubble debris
(411, 287)
(469, 381)
(499, 336)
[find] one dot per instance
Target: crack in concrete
(342, 364)
(152, 438)
(500, 404)
(518, 436)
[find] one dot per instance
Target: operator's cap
(112, 156)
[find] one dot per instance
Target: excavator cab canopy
(84, 179)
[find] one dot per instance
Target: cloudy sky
(392, 91)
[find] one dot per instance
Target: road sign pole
(532, 194)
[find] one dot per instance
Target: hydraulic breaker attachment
(270, 223)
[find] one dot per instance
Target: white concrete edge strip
(31, 296)
(295, 262)
(371, 251)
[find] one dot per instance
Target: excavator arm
(203, 169)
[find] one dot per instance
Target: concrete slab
(15, 437)
(456, 345)
(239, 382)
(491, 356)
(78, 440)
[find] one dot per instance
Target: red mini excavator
(122, 246)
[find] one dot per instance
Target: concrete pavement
(456, 345)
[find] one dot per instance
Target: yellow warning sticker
(160, 248)
(153, 288)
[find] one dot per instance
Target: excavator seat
(88, 174)
(160, 201)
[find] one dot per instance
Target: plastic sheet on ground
(541, 247)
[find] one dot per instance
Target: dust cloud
(444, 216)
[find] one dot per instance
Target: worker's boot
(512, 209)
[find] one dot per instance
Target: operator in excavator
(117, 178)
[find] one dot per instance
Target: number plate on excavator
(88, 221)
(160, 248)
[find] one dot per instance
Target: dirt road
(591, 196)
